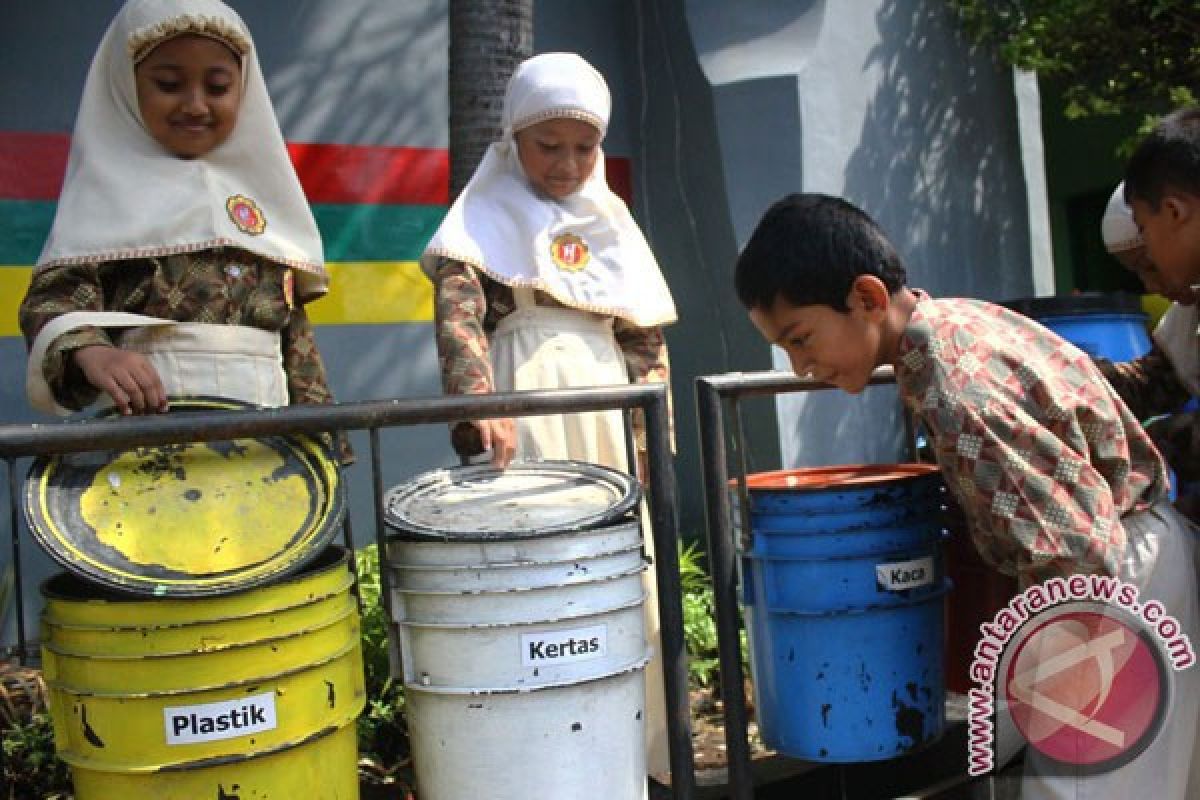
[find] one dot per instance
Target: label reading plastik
(228, 719)
(562, 647)
(900, 576)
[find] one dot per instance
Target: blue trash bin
(845, 600)
(1108, 325)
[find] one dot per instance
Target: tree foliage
(1107, 56)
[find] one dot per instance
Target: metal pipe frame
(123, 433)
(711, 392)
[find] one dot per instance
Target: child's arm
(305, 370)
(307, 382)
(459, 310)
(82, 363)
(645, 351)
(1149, 385)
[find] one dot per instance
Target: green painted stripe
(350, 232)
(24, 226)
(376, 233)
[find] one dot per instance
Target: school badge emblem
(570, 252)
(245, 214)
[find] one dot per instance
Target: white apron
(538, 347)
(192, 358)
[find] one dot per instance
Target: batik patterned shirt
(221, 286)
(468, 307)
(1036, 446)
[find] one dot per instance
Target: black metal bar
(670, 595)
(123, 433)
(723, 571)
(722, 551)
(739, 443)
(385, 581)
(18, 581)
(348, 542)
(199, 426)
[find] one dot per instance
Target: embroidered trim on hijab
(142, 41)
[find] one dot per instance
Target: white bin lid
(527, 499)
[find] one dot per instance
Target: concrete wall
(885, 104)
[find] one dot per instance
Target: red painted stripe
(339, 173)
(32, 164)
(617, 172)
(32, 167)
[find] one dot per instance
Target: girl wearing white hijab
(545, 281)
(1159, 383)
(183, 247)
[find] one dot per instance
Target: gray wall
(885, 104)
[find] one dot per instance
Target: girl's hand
(128, 378)
(499, 436)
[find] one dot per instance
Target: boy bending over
(1054, 473)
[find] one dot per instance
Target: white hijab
(125, 196)
(585, 250)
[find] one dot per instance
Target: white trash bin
(517, 602)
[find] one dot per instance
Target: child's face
(1137, 261)
(558, 155)
(1172, 236)
(189, 89)
(841, 348)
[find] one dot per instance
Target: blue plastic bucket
(1111, 326)
(845, 601)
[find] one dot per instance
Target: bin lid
(191, 519)
(843, 476)
(527, 499)
(1085, 303)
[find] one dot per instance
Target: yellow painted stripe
(13, 283)
(374, 292)
(360, 293)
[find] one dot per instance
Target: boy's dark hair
(1168, 158)
(809, 249)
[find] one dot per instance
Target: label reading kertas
(211, 722)
(899, 576)
(562, 647)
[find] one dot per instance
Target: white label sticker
(228, 719)
(562, 647)
(900, 576)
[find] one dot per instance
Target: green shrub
(382, 732)
(699, 619)
(30, 769)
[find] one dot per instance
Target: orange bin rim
(842, 475)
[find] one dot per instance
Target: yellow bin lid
(186, 520)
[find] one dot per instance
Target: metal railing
(19, 441)
(712, 392)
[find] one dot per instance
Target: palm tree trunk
(488, 38)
